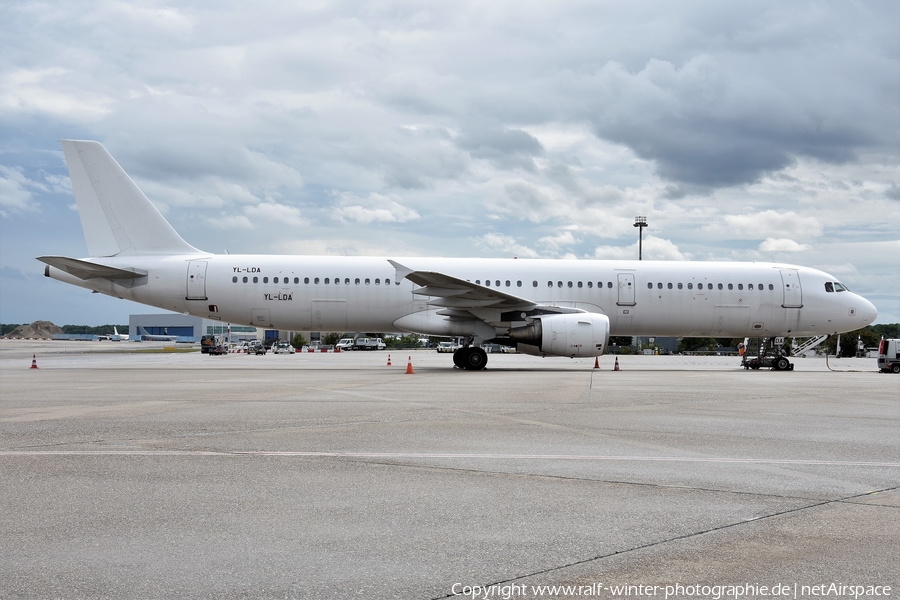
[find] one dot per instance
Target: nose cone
(866, 311)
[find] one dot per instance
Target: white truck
(344, 344)
(369, 344)
(889, 356)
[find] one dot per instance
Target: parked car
(447, 347)
(369, 344)
(283, 348)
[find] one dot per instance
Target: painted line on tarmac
(438, 455)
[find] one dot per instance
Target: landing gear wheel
(458, 357)
(475, 359)
(895, 369)
(782, 364)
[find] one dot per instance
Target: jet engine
(573, 335)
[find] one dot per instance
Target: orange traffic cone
(34, 361)
(596, 362)
(409, 369)
(389, 360)
(617, 364)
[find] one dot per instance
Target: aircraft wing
(88, 270)
(451, 292)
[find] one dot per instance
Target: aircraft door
(196, 280)
(626, 289)
(793, 295)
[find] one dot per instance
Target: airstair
(808, 345)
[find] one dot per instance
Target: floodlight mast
(640, 223)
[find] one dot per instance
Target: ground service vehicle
(369, 344)
(345, 344)
(889, 356)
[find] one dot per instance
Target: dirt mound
(38, 329)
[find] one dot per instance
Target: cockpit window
(838, 287)
(829, 287)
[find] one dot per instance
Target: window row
(709, 286)
(581, 284)
(315, 280)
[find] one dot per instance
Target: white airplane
(154, 337)
(543, 307)
(118, 337)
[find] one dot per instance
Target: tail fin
(116, 216)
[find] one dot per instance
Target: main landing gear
(470, 358)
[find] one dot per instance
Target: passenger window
(740, 286)
(256, 280)
(559, 284)
(245, 279)
(550, 284)
(378, 281)
(234, 279)
(590, 284)
(580, 284)
(609, 284)
(306, 280)
(497, 283)
(730, 286)
(750, 286)
(720, 286)
(356, 281)
(316, 281)
(367, 281)
(326, 281)
(265, 280)
(534, 283)
(570, 284)
(669, 285)
(296, 280)
(760, 287)
(478, 281)
(275, 280)
(771, 287)
(487, 282)
(690, 286)
(680, 286)
(659, 285)
(649, 286)
(386, 282)
(346, 281)
(507, 283)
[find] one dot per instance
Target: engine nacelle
(572, 335)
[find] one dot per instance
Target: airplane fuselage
(321, 293)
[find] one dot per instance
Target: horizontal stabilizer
(88, 270)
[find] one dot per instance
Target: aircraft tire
(782, 364)
(458, 357)
(475, 359)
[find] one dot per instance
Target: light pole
(640, 223)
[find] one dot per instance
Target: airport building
(189, 328)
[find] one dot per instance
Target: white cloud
(782, 245)
(653, 248)
(375, 208)
(15, 197)
(504, 245)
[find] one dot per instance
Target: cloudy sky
(743, 131)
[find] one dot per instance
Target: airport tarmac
(178, 475)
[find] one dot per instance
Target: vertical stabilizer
(116, 216)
